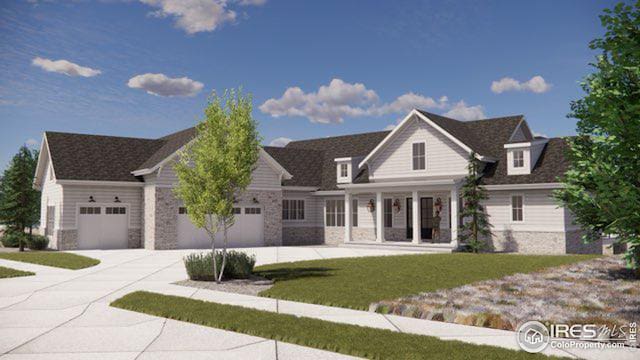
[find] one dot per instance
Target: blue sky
(145, 68)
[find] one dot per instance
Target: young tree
(602, 185)
(19, 201)
(475, 221)
(217, 165)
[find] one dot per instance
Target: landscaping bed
(252, 286)
(599, 291)
(342, 338)
(6, 272)
(51, 258)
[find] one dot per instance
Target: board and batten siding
(263, 177)
(541, 212)
(79, 194)
(51, 196)
(443, 156)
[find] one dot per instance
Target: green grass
(52, 258)
(9, 273)
(343, 338)
(357, 282)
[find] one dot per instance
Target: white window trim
(346, 170)
(335, 212)
(511, 208)
(513, 159)
(425, 157)
(305, 211)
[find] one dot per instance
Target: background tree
(19, 201)
(217, 165)
(476, 224)
(602, 187)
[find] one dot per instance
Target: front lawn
(343, 338)
(9, 273)
(358, 282)
(52, 258)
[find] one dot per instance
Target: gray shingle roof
(171, 144)
(298, 163)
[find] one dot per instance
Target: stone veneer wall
(333, 235)
(160, 218)
(271, 202)
(66, 239)
(575, 245)
(135, 238)
(363, 234)
(395, 234)
(533, 242)
(302, 235)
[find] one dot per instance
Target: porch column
(379, 220)
(415, 217)
(347, 216)
(454, 216)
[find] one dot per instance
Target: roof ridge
(471, 121)
(340, 136)
(102, 136)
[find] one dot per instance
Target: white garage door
(248, 230)
(103, 227)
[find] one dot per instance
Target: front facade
(399, 187)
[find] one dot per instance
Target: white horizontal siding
(541, 211)
(263, 177)
(313, 210)
(79, 194)
(443, 156)
(51, 196)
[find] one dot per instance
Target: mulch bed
(252, 286)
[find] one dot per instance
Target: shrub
(37, 242)
(12, 238)
(200, 266)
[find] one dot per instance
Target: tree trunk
(20, 241)
(224, 251)
(212, 235)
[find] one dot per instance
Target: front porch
(416, 215)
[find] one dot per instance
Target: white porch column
(379, 220)
(347, 216)
(454, 216)
(415, 217)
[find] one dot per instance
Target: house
(374, 188)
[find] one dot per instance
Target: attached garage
(103, 226)
(248, 230)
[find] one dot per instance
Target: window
(334, 213)
(419, 162)
(115, 210)
(252, 211)
(517, 213)
(344, 170)
(292, 209)
(89, 210)
(237, 211)
(354, 212)
(182, 210)
(388, 213)
(518, 159)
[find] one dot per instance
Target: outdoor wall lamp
(371, 205)
(255, 201)
(117, 200)
(91, 199)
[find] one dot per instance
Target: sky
(314, 68)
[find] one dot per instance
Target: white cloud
(537, 134)
(536, 84)
(460, 111)
(280, 142)
(32, 142)
(64, 67)
(162, 85)
(390, 127)
(252, 2)
(409, 101)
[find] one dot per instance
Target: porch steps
(403, 246)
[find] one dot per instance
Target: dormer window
(344, 171)
(419, 159)
(518, 158)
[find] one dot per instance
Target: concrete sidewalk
(65, 314)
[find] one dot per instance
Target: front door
(409, 218)
(426, 217)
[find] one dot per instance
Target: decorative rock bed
(599, 291)
(252, 286)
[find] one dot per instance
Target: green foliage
(217, 165)
(52, 258)
(200, 266)
(476, 224)
(19, 201)
(37, 242)
(602, 185)
(360, 341)
(9, 273)
(11, 239)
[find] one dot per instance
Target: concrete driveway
(65, 314)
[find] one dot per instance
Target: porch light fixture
(91, 199)
(371, 205)
(396, 205)
(117, 200)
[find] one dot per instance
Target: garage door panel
(103, 227)
(247, 230)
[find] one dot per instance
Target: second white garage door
(248, 230)
(103, 227)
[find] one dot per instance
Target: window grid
(354, 212)
(419, 158)
(518, 159)
(517, 213)
(292, 209)
(388, 213)
(344, 170)
(252, 211)
(334, 213)
(89, 210)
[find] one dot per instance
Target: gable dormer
(346, 169)
(523, 156)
